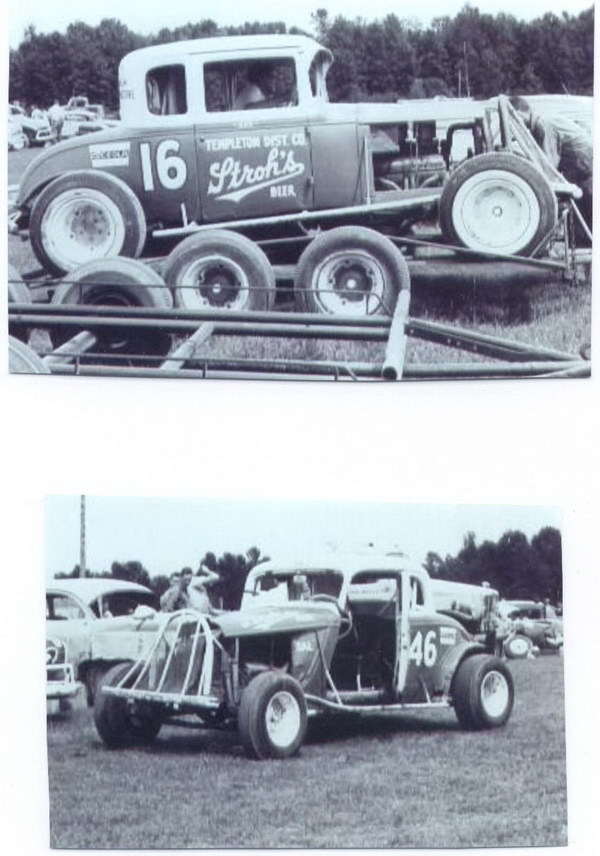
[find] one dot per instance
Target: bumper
(60, 682)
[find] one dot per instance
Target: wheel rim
(282, 718)
(519, 646)
(80, 226)
(214, 282)
(350, 282)
(496, 211)
(494, 693)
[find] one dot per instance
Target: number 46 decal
(171, 170)
(424, 651)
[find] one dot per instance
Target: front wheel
(119, 721)
(85, 216)
(350, 270)
(482, 692)
(272, 717)
(498, 203)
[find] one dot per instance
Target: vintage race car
(88, 629)
(534, 627)
(238, 133)
(337, 635)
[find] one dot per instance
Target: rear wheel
(85, 216)
(482, 692)
(272, 716)
(121, 722)
(498, 203)
(220, 270)
(350, 270)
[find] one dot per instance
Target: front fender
(452, 660)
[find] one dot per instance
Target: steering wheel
(344, 615)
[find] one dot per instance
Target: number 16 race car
(335, 636)
(231, 142)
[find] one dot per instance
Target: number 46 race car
(335, 636)
(238, 133)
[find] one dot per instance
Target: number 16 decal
(171, 170)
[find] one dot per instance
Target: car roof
(224, 44)
(89, 588)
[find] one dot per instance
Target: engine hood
(294, 618)
(425, 110)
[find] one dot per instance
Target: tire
(85, 216)
(220, 269)
(272, 717)
(518, 647)
(119, 282)
(350, 270)
(17, 290)
(23, 360)
(498, 203)
(119, 723)
(482, 692)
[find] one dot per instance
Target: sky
(167, 533)
(145, 17)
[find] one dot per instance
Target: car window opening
(165, 91)
(250, 85)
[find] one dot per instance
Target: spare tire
(85, 216)
(119, 282)
(498, 203)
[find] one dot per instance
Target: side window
(63, 608)
(416, 593)
(165, 90)
(250, 85)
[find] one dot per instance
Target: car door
(251, 162)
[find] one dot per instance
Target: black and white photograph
(338, 193)
(316, 675)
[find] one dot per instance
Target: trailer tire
(119, 724)
(498, 203)
(272, 717)
(220, 269)
(23, 360)
(350, 270)
(119, 282)
(85, 216)
(482, 692)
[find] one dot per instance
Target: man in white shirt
(197, 593)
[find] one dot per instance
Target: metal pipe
(466, 251)
(75, 347)
(393, 364)
(186, 350)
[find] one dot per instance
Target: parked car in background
(17, 139)
(36, 131)
(79, 612)
(534, 627)
(335, 635)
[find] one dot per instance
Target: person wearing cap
(197, 593)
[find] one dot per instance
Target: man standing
(177, 595)
(198, 595)
(567, 146)
(56, 116)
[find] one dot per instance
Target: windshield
(289, 586)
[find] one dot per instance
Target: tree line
(517, 567)
(471, 54)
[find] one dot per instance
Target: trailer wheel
(23, 360)
(120, 722)
(220, 270)
(85, 216)
(350, 270)
(272, 716)
(482, 692)
(498, 203)
(518, 647)
(119, 282)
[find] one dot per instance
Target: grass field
(554, 315)
(407, 781)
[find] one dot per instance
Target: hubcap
(214, 282)
(350, 282)
(282, 718)
(519, 646)
(80, 226)
(494, 693)
(496, 211)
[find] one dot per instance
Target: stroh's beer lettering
(230, 179)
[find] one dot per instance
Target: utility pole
(467, 83)
(82, 537)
